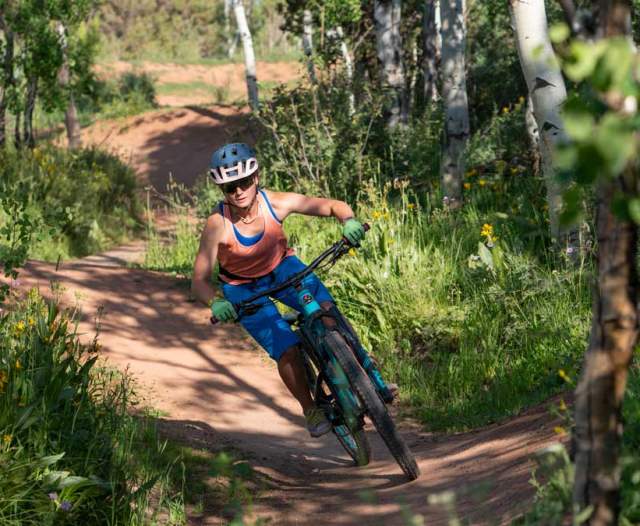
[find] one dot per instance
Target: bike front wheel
(375, 407)
(351, 437)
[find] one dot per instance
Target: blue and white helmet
(232, 162)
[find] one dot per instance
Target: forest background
(477, 310)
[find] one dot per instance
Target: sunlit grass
(470, 341)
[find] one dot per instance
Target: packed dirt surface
(217, 389)
(189, 84)
(172, 143)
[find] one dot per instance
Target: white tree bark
(232, 38)
(307, 44)
(338, 35)
(72, 124)
(387, 15)
(249, 56)
(454, 94)
(547, 91)
(534, 135)
(431, 49)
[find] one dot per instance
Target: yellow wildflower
(386, 215)
(18, 365)
(514, 171)
(376, 214)
(559, 430)
(32, 322)
(19, 328)
(562, 374)
(6, 439)
(562, 406)
(352, 252)
(482, 182)
(505, 110)
(411, 206)
(466, 186)
(487, 230)
(520, 99)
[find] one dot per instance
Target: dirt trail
(218, 389)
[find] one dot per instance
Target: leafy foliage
(87, 199)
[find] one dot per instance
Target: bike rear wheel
(375, 407)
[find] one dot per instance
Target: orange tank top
(243, 259)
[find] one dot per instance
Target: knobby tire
(376, 409)
(361, 453)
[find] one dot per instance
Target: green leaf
(633, 206)
(559, 32)
(614, 138)
(582, 60)
(485, 255)
(614, 65)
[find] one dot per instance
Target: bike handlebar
(336, 250)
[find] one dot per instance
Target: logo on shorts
(307, 298)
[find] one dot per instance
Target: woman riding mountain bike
(244, 235)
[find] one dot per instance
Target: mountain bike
(343, 379)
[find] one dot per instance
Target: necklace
(249, 221)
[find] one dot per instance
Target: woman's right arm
(201, 283)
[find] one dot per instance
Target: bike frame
(311, 326)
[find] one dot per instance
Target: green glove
(353, 231)
(223, 310)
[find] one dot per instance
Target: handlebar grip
(214, 320)
(366, 227)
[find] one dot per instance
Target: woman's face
(241, 193)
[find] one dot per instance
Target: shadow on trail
(146, 320)
(183, 148)
(336, 492)
(213, 385)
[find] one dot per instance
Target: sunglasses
(243, 184)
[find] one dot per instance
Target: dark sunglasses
(243, 184)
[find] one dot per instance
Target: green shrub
(70, 451)
(130, 94)
(87, 199)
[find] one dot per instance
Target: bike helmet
(232, 162)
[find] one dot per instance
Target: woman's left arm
(285, 203)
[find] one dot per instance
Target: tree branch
(570, 15)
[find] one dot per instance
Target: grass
(73, 447)
(472, 334)
(86, 201)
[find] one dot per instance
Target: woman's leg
(291, 369)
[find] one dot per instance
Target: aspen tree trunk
(307, 44)
(454, 95)
(614, 334)
(71, 121)
(337, 34)
(547, 91)
(387, 15)
(249, 57)
(430, 50)
(232, 38)
(6, 77)
(534, 135)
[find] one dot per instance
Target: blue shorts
(267, 326)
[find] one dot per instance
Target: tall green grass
(74, 448)
(473, 329)
(71, 452)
